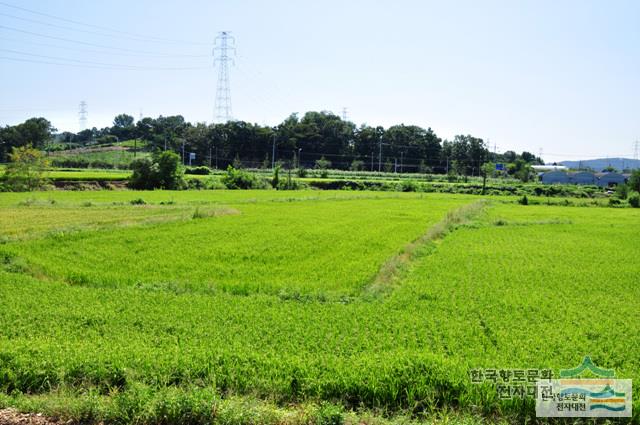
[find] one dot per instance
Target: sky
(559, 77)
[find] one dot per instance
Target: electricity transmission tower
(82, 114)
(636, 150)
(224, 45)
(345, 114)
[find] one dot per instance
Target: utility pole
(224, 44)
(379, 153)
(273, 152)
(401, 160)
(82, 114)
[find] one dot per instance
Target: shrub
(322, 164)
(240, 179)
(622, 191)
(201, 171)
(26, 170)
(144, 174)
(409, 186)
(137, 201)
(634, 180)
(524, 200)
(634, 200)
(170, 170)
(164, 172)
(275, 182)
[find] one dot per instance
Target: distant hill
(602, 163)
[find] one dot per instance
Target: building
(555, 177)
(610, 179)
(584, 178)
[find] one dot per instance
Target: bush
(170, 170)
(524, 200)
(409, 186)
(144, 174)
(622, 191)
(25, 172)
(323, 164)
(201, 171)
(634, 200)
(163, 172)
(275, 182)
(240, 179)
(634, 180)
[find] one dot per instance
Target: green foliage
(164, 171)
(265, 311)
(202, 171)
(634, 199)
(356, 165)
(275, 181)
(34, 132)
(634, 180)
(622, 191)
(169, 170)
(137, 201)
(322, 164)
(240, 179)
(25, 172)
(144, 174)
(524, 200)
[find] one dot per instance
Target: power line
(100, 52)
(139, 37)
(102, 46)
(17, 52)
(106, 67)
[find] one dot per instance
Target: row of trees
(296, 142)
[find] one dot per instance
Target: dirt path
(13, 417)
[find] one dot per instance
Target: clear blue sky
(561, 76)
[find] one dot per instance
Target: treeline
(317, 139)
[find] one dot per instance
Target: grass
(262, 316)
(273, 248)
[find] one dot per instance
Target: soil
(13, 417)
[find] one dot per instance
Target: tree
(521, 170)
(123, 121)
(25, 173)
(35, 132)
(634, 180)
(163, 172)
(322, 164)
(487, 169)
(123, 127)
(170, 170)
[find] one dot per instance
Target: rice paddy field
(305, 306)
